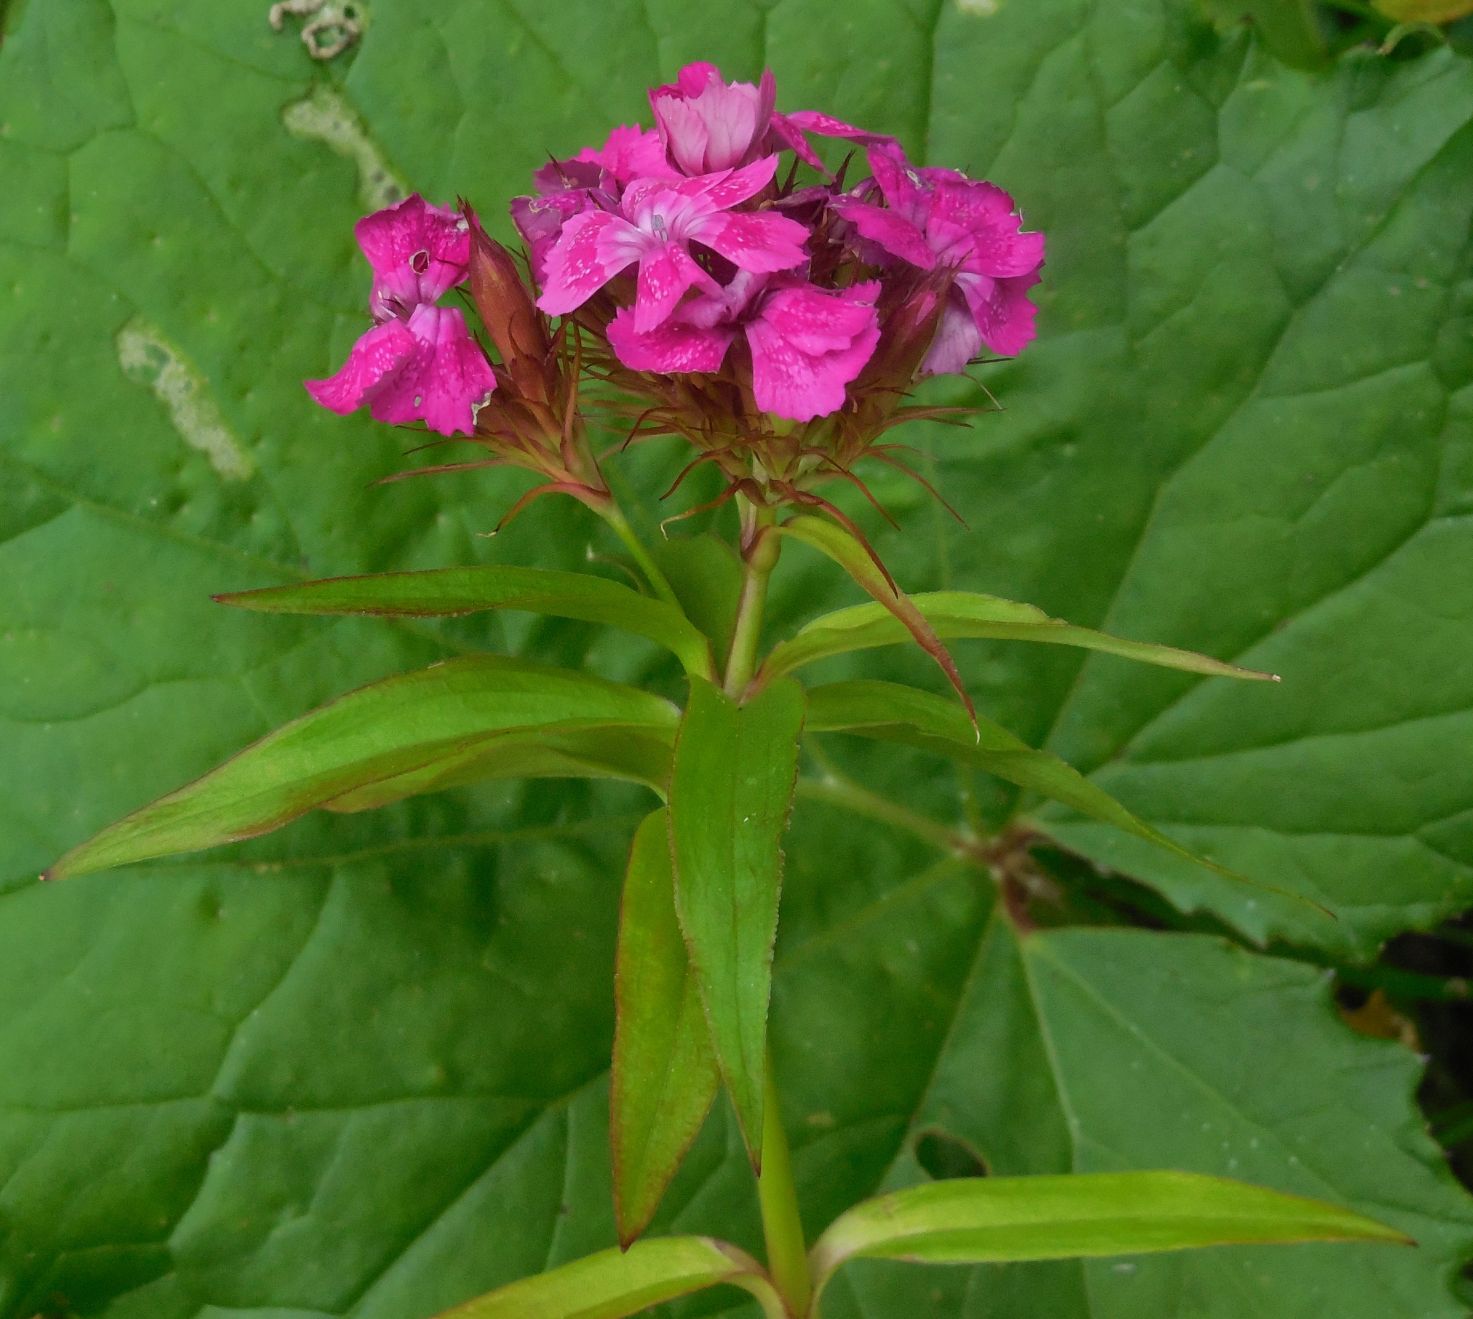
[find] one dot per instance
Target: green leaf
(664, 1074)
(993, 1220)
(730, 793)
(859, 561)
(390, 738)
(639, 753)
(895, 713)
(957, 614)
(459, 591)
(615, 1283)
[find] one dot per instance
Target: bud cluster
(714, 279)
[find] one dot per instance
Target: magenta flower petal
(426, 368)
(754, 240)
(630, 153)
(817, 320)
(677, 345)
(985, 214)
(593, 247)
(666, 273)
(378, 356)
(815, 121)
(730, 188)
(417, 251)
(540, 221)
(808, 344)
(453, 379)
(657, 222)
(1003, 314)
(897, 235)
(899, 182)
(789, 135)
(791, 131)
(956, 342)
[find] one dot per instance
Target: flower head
(776, 316)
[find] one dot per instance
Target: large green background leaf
(359, 1067)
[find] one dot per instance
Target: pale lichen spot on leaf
(981, 8)
(331, 29)
(147, 357)
(324, 116)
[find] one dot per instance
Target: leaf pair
(965, 1221)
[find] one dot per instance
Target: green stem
(840, 792)
(837, 789)
(773, 1306)
(614, 516)
(782, 1225)
(759, 555)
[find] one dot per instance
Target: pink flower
(419, 361)
(707, 123)
(939, 219)
(807, 343)
(540, 221)
(593, 179)
(630, 153)
(655, 224)
(418, 253)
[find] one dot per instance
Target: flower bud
(906, 332)
(511, 318)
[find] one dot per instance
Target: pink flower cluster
(693, 254)
(800, 274)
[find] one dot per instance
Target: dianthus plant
(711, 284)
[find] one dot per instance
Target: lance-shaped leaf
(379, 733)
(894, 712)
(638, 753)
(859, 561)
(615, 1283)
(965, 614)
(731, 789)
(984, 1220)
(448, 592)
(664, 1073)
